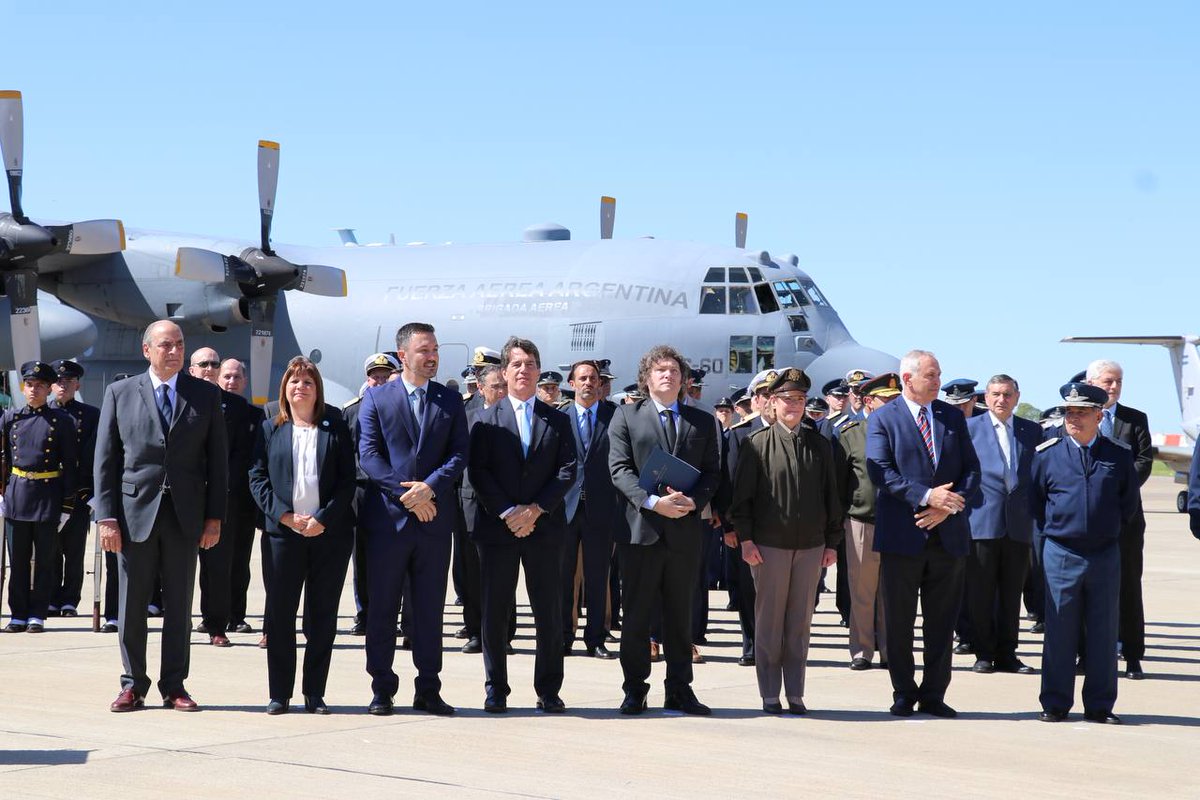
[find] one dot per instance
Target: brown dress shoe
(127, 700)
(180, 701)
(696, 657)
(219, 640)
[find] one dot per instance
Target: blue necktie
(418, 404)
(1106, 423)
(523, 426)
(585, 433)
(164, 405)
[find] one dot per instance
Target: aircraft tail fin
(1185, 359)
(347, 236)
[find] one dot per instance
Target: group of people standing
(923, 503)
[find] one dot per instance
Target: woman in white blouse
(303, 480)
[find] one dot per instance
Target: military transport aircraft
(730, 310)
(1185, 359)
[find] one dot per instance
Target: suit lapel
(506, 417)
(573, 413)
(538, 426)
(147, 393)
(684, 428)
(406, 415)
(650, 413)
(322, 441)
(181, 401)
(285, 431)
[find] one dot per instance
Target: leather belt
(36, 476)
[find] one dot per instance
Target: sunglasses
(207, 364)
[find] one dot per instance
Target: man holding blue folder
(660, 553)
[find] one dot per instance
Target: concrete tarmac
(58, 739)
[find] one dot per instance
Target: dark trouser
(216, 569)
(731, 559)
(747, 598)
(996, 570)
(112, 586)
(842, 582)
(1035, 582)
(1132, 628)
(172, 554)
(615, 582)
(700, 595)
(362, 589)
(69, 546)
(472, 584)
(317, 565)
(239, 527)
(660, 575)
(264, 553)
(498, 566)
(423, 561)
(597, 552)
(30, 542)
(1081, 592)
(937, 578)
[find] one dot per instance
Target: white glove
(62, 521)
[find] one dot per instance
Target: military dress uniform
(1082, 495)
(40, 478)
(71, 542)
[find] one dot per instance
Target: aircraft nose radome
(66, 333)
(836, 362)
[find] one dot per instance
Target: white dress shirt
(306, 494)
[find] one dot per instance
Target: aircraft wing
(1177, 458)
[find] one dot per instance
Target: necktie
(523, 426)
(164, 405)
(585, 433)
(1005, 438)
(418, 404)
(670, 429)
(926, 433)
(1106, 423)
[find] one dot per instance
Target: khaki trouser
(785, 583)
(866, 594)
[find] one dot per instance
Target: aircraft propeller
(260, 275)
(608, 216)
(23, 242)
(739, 230)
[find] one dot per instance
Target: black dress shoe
(568, 650)
(201, 628)
(600, 651)
(963, 648)
(685, 700)
(509, 649)
(1133, 669)
(859, 664)
(902, 707)
(405, 643)
(1038, 627)
(432, 703)
(315, 705)
(983, 666)
(381, 706)
(108, 627)
(67, 611)
(746, 661)
(633, 704)
(495, 705)
(936, 708)
(551, 704)
(1052, 716)
(797, 708)
(276, 707)
(610, 639)
(359, 628)
(241, 627)
(1104, 717)
(473, 645)
(1013, 664)
(772, 707)
(844, 622)
(36, 627)
(462, 633)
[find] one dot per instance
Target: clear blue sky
(976, 181)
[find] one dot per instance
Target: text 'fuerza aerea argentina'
(525, 296)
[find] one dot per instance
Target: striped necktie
(926, 433)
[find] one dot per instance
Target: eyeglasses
(207, 364)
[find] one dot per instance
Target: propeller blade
(196, 264)
(739, 230)
(94, 237)
(12, 143)
(322, 280)
(262, 346)
(268, 181)
(21, 287)
(608, 216)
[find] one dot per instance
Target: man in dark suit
(522, 461)
(161, 480)
(591, 505)
(920, 458)
(412, 447)
(1129, 427)
(661, 551)
(1001, 526)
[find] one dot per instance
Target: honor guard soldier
(960, 392)
(837, 394)
(606, 378)
(695, 384)
(816, 409)
(549, 390)
(470, 382)
(40, 458)
(855, 378)
(72, 538)
(1084, 489)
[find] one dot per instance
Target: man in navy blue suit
(522, 462)
(591, 506)
(1194, 497)
(412, 448)
(1001, 526)
(920, 457)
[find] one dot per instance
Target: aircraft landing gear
(1181, 502)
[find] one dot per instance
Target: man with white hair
(1130, 427)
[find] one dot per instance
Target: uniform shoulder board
(744, 421)
(852, 423)
(1047, 443)
(349, 403)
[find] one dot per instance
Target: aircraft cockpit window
(766, 353)
(790, 295)
(738, 275)
(741, 355)
(741, 300)
(712, 299)
(766, 300)
(715, 275)
(798, 322)
(755, 274)
(815, 293)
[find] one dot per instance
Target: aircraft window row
(790, 295)
(766, 300)
(815, 293)
(736, 275)
(727, 300)
(746, 359)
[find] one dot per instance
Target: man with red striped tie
(920, 456)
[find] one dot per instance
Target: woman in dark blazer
(303, 480)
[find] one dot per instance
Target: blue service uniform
(40, 479)
(72, 539)
(1081, 497)
(1193, 504)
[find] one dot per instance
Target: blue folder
(664, 469)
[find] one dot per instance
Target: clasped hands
(523, 519)
(303, 524)
(943, 501)
(674, 505)
(419, 500)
